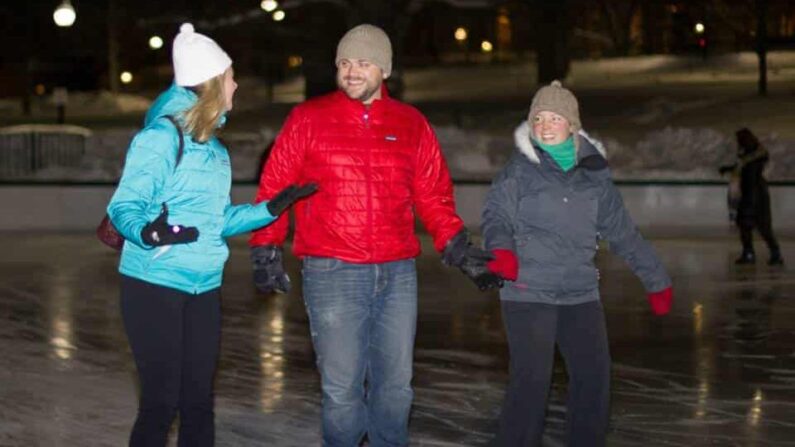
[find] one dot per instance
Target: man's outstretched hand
(471, 260)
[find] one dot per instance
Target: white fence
(26, 149)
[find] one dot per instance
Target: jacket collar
(355, 104)
(587, 144)
(175, 101)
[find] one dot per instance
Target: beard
(363, 92)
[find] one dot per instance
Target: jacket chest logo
(390, 138)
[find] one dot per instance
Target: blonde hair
(201, 120)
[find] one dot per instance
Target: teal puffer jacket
(197, 195)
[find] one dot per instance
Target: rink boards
(654, 206)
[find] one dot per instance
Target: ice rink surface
(718, 371)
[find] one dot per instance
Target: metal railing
(26, 149)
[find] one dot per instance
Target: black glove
(489, 280)
(288, 196)
(471, 260)
(159, 232)
(269, 275)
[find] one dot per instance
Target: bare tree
(653, 35)
(113, 47)
(619, 15)
(394, 16)
(553, 27)
(737, 14)
(761, 45)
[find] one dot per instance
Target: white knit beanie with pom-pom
(196, 57)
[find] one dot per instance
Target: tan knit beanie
(555, 98)
(366, 42)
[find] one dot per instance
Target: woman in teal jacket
(178, 171)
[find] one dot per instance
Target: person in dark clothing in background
(753, 205)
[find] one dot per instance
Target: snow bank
(657, 119)
(671, 153)
(82, 104)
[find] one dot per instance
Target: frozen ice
(718, 370)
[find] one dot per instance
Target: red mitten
(660, 302)
(504, 264)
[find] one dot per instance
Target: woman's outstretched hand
(288, 196)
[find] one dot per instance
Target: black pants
(175, 339)
(533, 330)
(765, 230)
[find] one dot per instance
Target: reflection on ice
(61, 315)
(271, 362)
(719, 370)
(755, 410)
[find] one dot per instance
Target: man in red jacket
(376, 162)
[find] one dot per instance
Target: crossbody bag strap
(181, 147)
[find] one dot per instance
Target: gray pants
(533, 330)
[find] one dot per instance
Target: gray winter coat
(552, 221)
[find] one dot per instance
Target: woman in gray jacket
(543, 216)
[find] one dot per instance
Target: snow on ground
(671, 153)
(660, 117)
(519, 80)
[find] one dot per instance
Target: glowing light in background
(279, 15)
(294, 61)
(64, 15)
(155, 42)
(269, 5)
(126, 77)
(460, 34)
(486, 46)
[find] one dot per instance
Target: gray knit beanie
(366, 42)
(554, 98)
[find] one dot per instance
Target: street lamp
(700, 29)
(269, 5)
(486, 46)
(279, 15)
(64, 15)
(155, 42)
(460, 34)
(294, 61)
(126, 77)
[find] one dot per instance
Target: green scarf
(563, 153)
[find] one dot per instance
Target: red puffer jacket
(373, 167)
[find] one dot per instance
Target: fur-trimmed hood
(521, 138)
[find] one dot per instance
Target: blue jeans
(363, 319)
